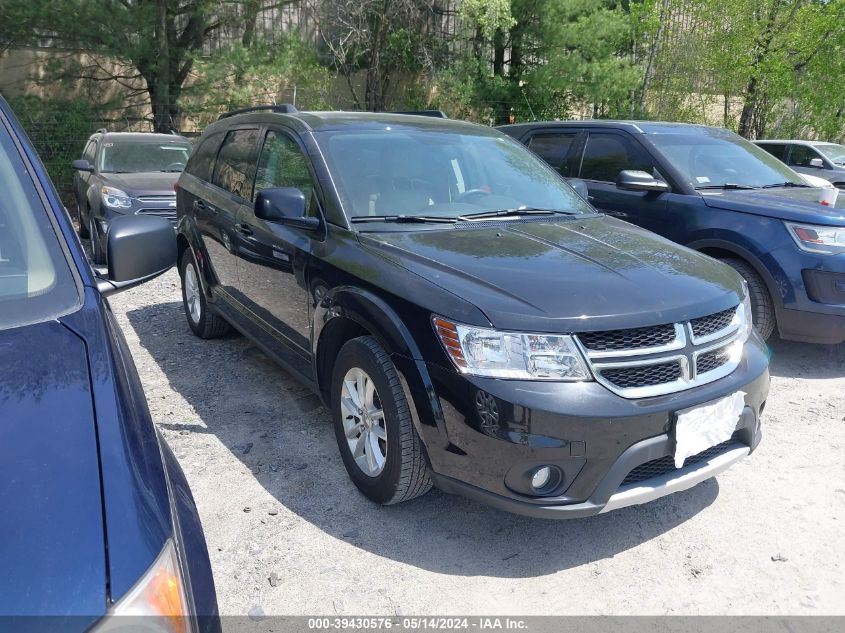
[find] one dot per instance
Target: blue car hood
(51, 515)
(800, 204)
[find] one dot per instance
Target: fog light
(541, 477)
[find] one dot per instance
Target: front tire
(762, 306)
(203, 323)
(372, 421)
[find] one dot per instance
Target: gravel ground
(289, 534)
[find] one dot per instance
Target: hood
(153, 183)
(565, 274)
(51, 524)
(799, 204)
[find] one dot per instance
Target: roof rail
(283, 108)
(437, 114)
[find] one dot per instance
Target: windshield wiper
(727, 185)
(775, 185)
(499, 213)
(404, 219)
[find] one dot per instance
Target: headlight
(744, 314)
(115, 198)
(826, 240)
(485, 352)
(157, 602)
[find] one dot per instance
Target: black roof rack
(437, 114)
(283, 108)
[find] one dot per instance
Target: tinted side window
(800, 155)
(778, 150)
(234, 168)
(554, 149)
(282, 164)
(607, 154)
(201, 162)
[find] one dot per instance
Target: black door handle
(243, 229)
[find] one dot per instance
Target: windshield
(714, 158)
(834, 153)
(35, 280)
(141, 156)
(410, 172)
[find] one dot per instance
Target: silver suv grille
(651, 361)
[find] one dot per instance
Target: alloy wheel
(363, 422)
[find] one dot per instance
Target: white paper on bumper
(701, 427)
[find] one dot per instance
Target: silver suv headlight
(115, 198)
(744, 314)
(487, 352)
(156, 603)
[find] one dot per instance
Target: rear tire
(762, 306)
(202, 321)
(84, 233)
(399, 470)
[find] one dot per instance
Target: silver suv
(814, 158)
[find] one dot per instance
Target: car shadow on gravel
(806, 360)
(281, 432)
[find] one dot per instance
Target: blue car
(96, 518)
(715, 192)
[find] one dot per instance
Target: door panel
(218, 204)
(274, 260)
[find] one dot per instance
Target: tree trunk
(652, 54)
(749, 106)
(501, 109)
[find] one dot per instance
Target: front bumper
(595, 438)
(812, 287)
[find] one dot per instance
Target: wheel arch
(347, 312)
(723, 249)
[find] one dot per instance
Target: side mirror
(139, 249)
(580, 187)
(284, 205)
(818, 163)
(82, 165)
(635, 180)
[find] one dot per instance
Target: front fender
(373, 314)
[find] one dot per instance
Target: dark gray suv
(122, 173)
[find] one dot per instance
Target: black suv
(469, 319)
(124, 173)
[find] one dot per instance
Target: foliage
(282, 70)
(58, 128)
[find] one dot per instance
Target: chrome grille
(663, 465)
(643, 375)
(634, 338)
(712, 360)
(652, 361)
(705, 326)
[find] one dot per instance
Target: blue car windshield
(36, 283)
(712, 158)
(405, 171)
